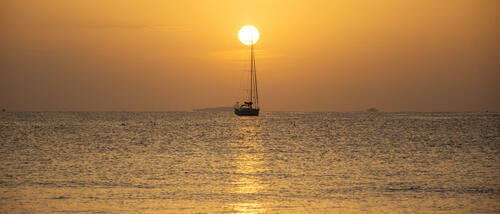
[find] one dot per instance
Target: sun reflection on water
(250, 208)
(248, 160)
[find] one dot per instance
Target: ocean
(279, 162)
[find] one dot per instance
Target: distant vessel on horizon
(251, 107)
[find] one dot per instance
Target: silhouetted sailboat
(251, 107)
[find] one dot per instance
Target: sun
(249, 35)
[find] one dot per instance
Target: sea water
(279, 162)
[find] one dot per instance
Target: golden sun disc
(249, 35)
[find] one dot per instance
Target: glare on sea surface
(249, 35)
(248, 162)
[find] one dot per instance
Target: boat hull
(246, 111)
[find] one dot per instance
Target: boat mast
(251, 73)
(256, 94)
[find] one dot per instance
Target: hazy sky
(312, 55)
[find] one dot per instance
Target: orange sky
(312, 55)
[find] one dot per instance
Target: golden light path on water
(248, 162)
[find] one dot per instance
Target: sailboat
(250, 107)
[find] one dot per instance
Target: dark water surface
(190, 162)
